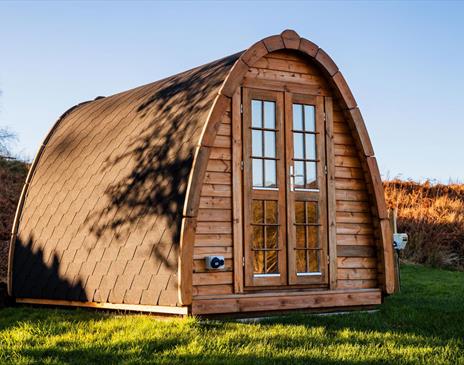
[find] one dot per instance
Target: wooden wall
(214, 222)
(357, 262)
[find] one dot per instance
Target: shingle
(101, 197)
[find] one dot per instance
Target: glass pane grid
(263, 135)
(265, 231)
(307, 248)
(304, 146)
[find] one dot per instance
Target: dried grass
(433, 217)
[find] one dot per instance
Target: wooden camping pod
(130, 193)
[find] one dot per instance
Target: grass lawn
(423, 324)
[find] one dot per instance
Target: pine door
(285, 189)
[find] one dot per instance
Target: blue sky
(403, 61)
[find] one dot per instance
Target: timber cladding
(131, 192)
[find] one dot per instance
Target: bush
(433, 217)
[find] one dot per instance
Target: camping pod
(248, 184)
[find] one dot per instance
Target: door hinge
(325, 117)
(241, 108)
(325, 169)
(243, 261)
(241, 165)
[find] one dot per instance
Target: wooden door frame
(250, 280)
(239, 190)
(319, 196)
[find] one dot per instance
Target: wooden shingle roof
(101, 217)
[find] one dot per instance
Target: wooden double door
(285, 189)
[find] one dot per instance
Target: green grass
(423, 324)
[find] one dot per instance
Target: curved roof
(101, 212)
(108, 188)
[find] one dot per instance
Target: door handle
(292, 179)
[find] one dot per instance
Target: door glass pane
(311, 212)
(310, 145)
(256, 143)
(257, 167)
(271, 237)
(269, 114)
(258, 237)
(271, 212)
(301, 260)
(314, 260)
(271, 262)
(299, 174)
(297, 117)
(256, 113)
(311, 175)
(310, 119)
(258, 262)
(257, 211)
(298, 151)
(269, 144)
(300, 237)
(312, 237)
(270, 174)
(299, 212)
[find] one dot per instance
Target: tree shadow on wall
(159, 156)
(32, 278)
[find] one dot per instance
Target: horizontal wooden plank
(107, 306)
(285, 76)
(218, 153)
(218, 166)
(351, 195)
(347, 161)
(342, 138)
(222, 141)
(216, 190)
(356, 251)
(214, 215)
(224, 130)
(354, 228)
(350, 184)
(351, 217)
(341, 126)
(355, 240)
(356, 263)
(279, 64)
(213, 289)
(199, 253)
(356, 284)
(308, 300)
(218, 178)
(272, 85)
(200, 266)
(213, 240)
(353, 206)
(214, 227)
(212, 278)
(211, 202)
(345, 150)
(356, 274)
(349, 172)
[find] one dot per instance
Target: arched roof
(108, 188)
(104, 201)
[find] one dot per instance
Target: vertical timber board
(237, 190)
(186, 260)
(331, 199)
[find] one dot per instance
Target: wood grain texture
(282, 301)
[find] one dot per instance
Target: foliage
(421, 325)
(12, 176)
(433, 217)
